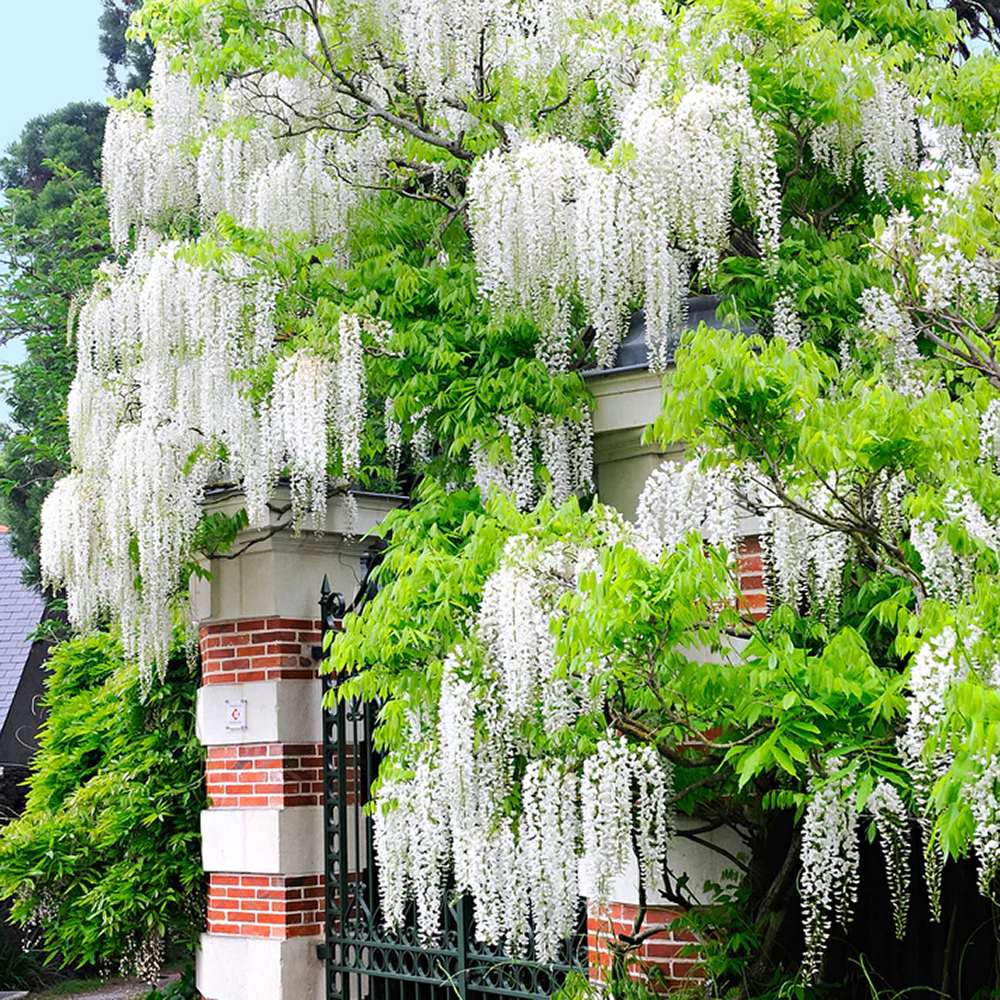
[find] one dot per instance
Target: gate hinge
(323, 952)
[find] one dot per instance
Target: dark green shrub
(104, 865)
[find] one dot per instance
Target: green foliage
(752, 714)
(455, 358)
(182, 989)
(22, 970)
(107, 853)
(451, 362)
(129, 62)
(71, 136)
(53, 234)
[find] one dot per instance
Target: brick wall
(280, 906)
(259, 649)
(270, 906)
(266, 774)
(666, 959)
(750, 559)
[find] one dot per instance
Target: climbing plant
(375, 244)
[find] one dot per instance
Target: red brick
(656, 949)
(228, 663)
(255, 930)
(289, 623)
(212, 641)
(306, 930)
(275, 635)
(663, 952)
(217, 628)
(223, 928)
(251, 625)
(273, 661)
(237, 893)
(285, 648)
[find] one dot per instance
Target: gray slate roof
(633, 355)
(20, 611)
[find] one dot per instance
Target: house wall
(19, 733)
(624, 404)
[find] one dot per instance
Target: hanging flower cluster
(302, 407)
(934, 669)
(989, 435)
(303, 185)
(882, 136)
(828, 885)
(892, 820)
(522, 872)
(147, 171)
(985, 805)
(891, 329)
(567, 454)
(618, 44)
(888, 134)
(805, 559)
(786, 323)
(614, 777)
(118, 544)
(679, 499)
(548, 224)
(950, 277)
(448, 44)
(440, 37)
(156, 402)
(947, 571)
(308, 189)
(160, 407)
(688, 159)
(522, 217)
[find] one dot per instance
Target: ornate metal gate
(364, 960)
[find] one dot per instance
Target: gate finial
(331, 605)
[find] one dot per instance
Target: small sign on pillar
(236, 714)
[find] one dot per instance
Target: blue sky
(48, 57)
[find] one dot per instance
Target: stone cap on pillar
(278, 571)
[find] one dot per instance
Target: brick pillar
(750, 560)
(262, 835)
(665, 960)
(260, 718)
(668, 959)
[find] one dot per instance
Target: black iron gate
(365, 960)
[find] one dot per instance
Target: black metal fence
(365, 960)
